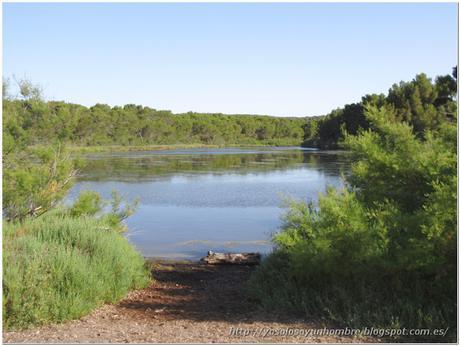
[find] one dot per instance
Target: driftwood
(249, 258)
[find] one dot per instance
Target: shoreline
(159, 147)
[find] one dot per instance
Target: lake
(196, 200)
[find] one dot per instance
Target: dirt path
(187, 303)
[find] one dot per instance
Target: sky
(291, 59)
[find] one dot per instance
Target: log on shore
(248, 258)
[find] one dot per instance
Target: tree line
(421, 103)
(34, 122)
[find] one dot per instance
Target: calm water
(192, 201)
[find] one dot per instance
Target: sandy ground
(186, 303)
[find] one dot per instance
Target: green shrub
(58, 267)
(34, 179)
(382, 251)
(88, 203)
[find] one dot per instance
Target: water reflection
(195, 200)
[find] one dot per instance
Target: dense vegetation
(420, 103)
(35, 123)
(61, 262)
(382, 251)
(58, 263)
(61, 266)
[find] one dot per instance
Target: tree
(28, 90)
(35, 180)
(421, 103)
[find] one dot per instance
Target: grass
(57, 268)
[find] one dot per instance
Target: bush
(88, 203)
(57, 267)
(382, 251)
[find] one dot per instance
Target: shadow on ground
(198, 292)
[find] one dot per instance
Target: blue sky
(297, 59)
